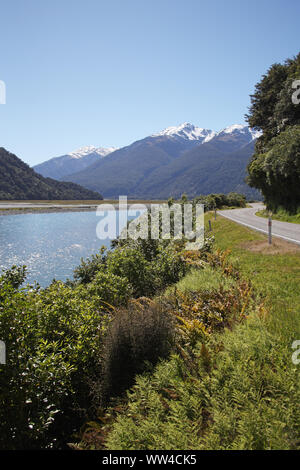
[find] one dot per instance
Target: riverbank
(43, 207)
(19, 211)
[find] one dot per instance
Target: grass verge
(281, 215)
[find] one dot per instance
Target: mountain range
(20, 182)
(180, 159)
(72, 162)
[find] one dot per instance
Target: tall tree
(275, 166)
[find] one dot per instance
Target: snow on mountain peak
(240, 129)
(187, 131)
(235, 127)
(84, 151)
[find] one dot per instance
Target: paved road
(247, 217)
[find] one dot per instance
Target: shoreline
(56, 209)
(44, 210)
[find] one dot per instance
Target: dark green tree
(275, 166)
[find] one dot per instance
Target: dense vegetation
(220, 201)
(74, 345)
(18, 181)
(55, 338)
(210, 368)
(275, 166)
(230, 382)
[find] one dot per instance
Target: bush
(52, 342)
(147, 276)
(169, 266)
(217, 201)
(88, 268)
(106, 288)
(15, 276)
(130, 263)
(137, 336)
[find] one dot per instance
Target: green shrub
(15, 276)
(169, 265)
(200, 280)
(130, 263)
(147, 276)
(106, 288)
(217, 201)
(148, 247)
(52, 339)
(88, 268)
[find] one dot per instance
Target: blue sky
(106, 73)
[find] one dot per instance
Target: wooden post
(209, 223)
(270, 229)
(215, 214)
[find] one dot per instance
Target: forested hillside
(202, 170)
(19, 181)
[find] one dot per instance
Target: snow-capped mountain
(188, 131)
(60, 167)
(84, 151)
(182, 158)
(237, 132)
(233, 137)
(240, 129)
(90, 166)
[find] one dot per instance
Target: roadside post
(209, 224)
(215, 213)
(270, 228)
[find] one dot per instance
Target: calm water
(50, 245)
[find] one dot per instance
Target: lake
(51, 245)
